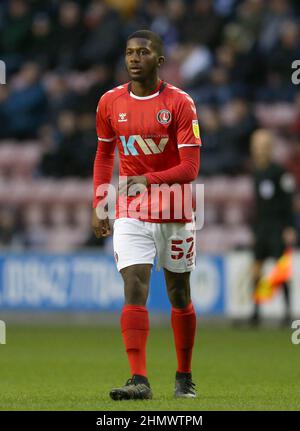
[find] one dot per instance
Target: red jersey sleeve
(184, 173)
(104, 129)
(104, 160)
(187, 123)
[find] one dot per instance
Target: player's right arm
(103, 165)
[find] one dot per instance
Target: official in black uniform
(274, 221)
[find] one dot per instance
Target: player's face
(141, 59)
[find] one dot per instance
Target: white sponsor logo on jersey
(122, 117)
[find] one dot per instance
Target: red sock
(135, 328)
(183, 322)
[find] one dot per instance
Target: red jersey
(149, 131)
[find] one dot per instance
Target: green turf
(73, 368)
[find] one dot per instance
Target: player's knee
(179, 293)
(178, 282)
(136, 288)
(135, 295)
(179, 300)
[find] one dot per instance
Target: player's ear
(160, 60)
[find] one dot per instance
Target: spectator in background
(9, 228)
(240, 122)
(176, 12)
(297, 217)
(40, 47)
(295, 127)
(226, 135)
(126, 8)
(4, 115)
(244, 59)
(219, 155)
(86, 155)
(35, 231)
(293, 162)
(296, 6)
(26, 106)
(225, 7)
(59, 160)
(69, 35)
(153, 11)
(195, 63)
(281, 57)
(277, 12)
(168, 20)
(218, 89)
(203, 25)
(101, 79)
(75, 147)
(61, 97)
(249, 17)
(102, 43)
(14, 35)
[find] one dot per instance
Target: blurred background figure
(274, 224)
(26, 104)
(9, 228)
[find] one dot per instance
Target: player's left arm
(184, 173)
(188, 141)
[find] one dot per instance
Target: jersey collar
(161, 87)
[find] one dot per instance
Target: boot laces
(188, 384)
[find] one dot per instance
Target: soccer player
(274, 229)
(155, 128)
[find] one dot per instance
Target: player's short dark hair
(157, 43)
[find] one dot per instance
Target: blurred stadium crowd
(233, 57)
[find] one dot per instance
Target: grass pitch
(74, 368)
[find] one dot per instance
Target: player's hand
(133, 185)
(289, 236)
(100, 227)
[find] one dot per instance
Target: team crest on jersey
(164, 116)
